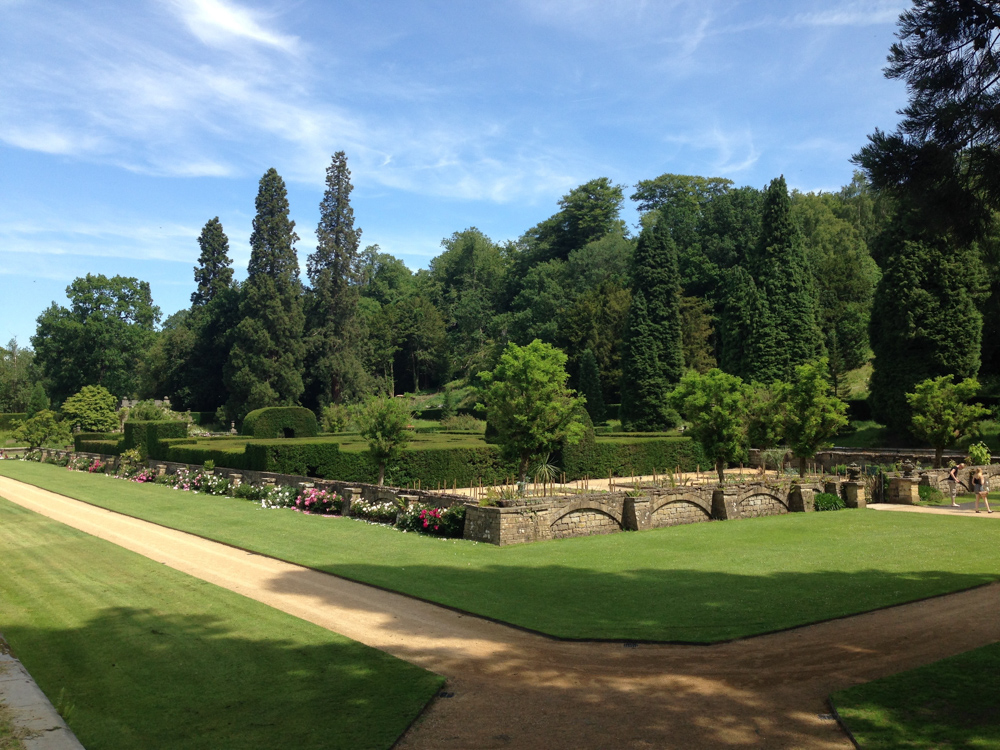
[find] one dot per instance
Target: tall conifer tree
(265, 363)
(589, 383)
(214, 272)
(653, 352)
(332, 332)
(788, 333)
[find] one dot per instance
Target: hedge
(281, 421)
(145, 435)
(184, 452)
(8, 418)
(202, 417)
(437, 413)
(859, 410)
(86, 437)
(629, 457)
(107, 447)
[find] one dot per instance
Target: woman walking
(980, 488)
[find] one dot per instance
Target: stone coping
(31, 710)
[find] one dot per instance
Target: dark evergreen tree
(38, 400)
(741, 313)
(334, 368)
(214, 271)
(589, 386)
(653, 353)
(925, 322)
(265, 362)
(787, 334)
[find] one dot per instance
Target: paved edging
(32, 710)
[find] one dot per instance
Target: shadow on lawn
(135, 678)
(676, 606)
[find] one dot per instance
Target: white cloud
(853, 14)
(221, 23)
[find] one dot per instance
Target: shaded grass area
(134, 654)
(698, 583)
(946, 705)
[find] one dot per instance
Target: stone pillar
(903, 491)
(236, 479)
(830, 488)
(635, 513)
(724, 506)
(349, 494)
(161, 469)
(853, 494)
(801, 499)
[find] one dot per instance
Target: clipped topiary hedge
(184, 452)
(280, 421)
(107, 447)
(8, 418)
(86, 437)
(202, 417)
(629, 457)
(145, 435)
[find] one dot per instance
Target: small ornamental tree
(941, 414)
(382, 421)
(716, 407)
(528, 403)
(810, 413)
(38, 401)
(93, 409)
(41, 429)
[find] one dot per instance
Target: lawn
(946, 705)
(137, 655)
(698, 583)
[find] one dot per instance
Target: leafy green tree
(100, 339)
(38, 400)
(810, 414)
(941, 412)
(214, 272)
(42, 429)
(739, 324)
(589, 380)
(788, 333)
(382, 422)
(528, 403)
(925, 319)
(18, 372)
(265, 362)
(333, 332)
(653, 354)
(697, 334)
(586, 213)
(715, 404)
(92, 409)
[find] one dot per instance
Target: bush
(827, 501)
(41, 429)
(92, 408)
(145, 436)
(336, 418)
(147, 411)
(979, 454)
(8, 419)
(930, 494)
(374, 512)
(465, 422)
(426, 519)
(312, 500)
(281, 421)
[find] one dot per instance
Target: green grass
(137, 655)
(699, 583)
(946, 705)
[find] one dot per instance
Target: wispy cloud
(221, 23)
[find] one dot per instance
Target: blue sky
(125, 126)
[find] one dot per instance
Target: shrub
(41, 429)
(92, 408)
(374, 512)
(828, 501)
(281, 421)
(312, 500)
(426, 519)
(465, 422)
(8, 420)
(930, 494)
(979, 454)
(147, 411)
(335, 418)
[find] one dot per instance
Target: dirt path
(512, 689)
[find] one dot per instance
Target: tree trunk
(802, 466)
(381, 473)
(523, 470)
(720, 466)
(938, 454)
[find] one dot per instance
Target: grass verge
(134, 654)
(699, 583)
(946, 705)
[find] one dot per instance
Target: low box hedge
(202, 417)
(86, 437)
(185, 452)
(8, 418)
(107, 447)
(632, 457)
(280, 421)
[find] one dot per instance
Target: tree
(214, 272)
(653, 353)
(17, 373)
(810, 414)
(925, 320)
(41, 429)
(941, 412)
(265, 362)
(739, 323)
(332, 326)
(788, 333)
(382, 422)
(589, 381)
(92, 409)
(944, 152)
(697, 333)
(38, 400)
(528, 403)
(715, 404)
(586, 213)
(100, 339)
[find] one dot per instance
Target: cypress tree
(925, 322)
(265, 363)
(741, 314)
(589, 382)
(214, 271)
(653, 352)
(332, 331)
(787, 333)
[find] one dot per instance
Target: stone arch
(586, 518)
(675, 511)
(761, 501)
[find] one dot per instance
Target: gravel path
(512, 689)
